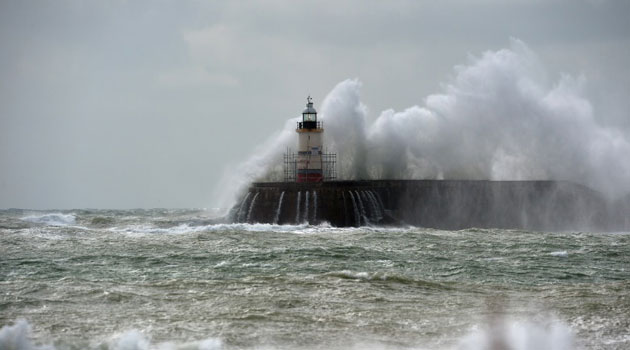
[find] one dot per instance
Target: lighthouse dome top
(309, 107)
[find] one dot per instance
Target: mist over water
(498, 118)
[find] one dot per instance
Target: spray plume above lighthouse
(311, 163)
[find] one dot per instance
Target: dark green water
(173, 280)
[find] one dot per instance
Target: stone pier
(443, 204)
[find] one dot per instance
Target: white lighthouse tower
(310, 146)
(310, 163)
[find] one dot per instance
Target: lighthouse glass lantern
(309, 115)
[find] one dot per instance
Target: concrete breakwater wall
(445, 204)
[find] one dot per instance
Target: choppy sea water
(174, 279)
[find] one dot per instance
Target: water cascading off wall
(306, 207)
(277, 216)
(251, 206)
(297, 207)
(357, 218)
(446, 204)
(239, 213)
(361, 208)
(315, 207)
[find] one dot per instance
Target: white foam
(149, 229)
(221, 263)
(500, 334)
(323, 227)
(52, 219)
(361, 275)
(132, 340)
(562, 254)
(210, 344)
(16, 337)
(519, 335)
(136, 340)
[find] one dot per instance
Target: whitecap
(52, 219)
(221, 263)
(562, 254)
(135, 340)
(346, 274)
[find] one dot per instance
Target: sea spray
(16, 336)
(276, 217)
(497, 119)
(519, 334)
(263, 165)
(344, 116)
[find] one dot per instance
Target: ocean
(178, 279)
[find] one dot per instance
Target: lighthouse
(310, 163)
(310, 146)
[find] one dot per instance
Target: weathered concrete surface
(446, 204)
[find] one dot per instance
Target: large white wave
(498, 118)
(52, 219)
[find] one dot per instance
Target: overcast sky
(126, 104)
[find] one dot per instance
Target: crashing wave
(52, 219)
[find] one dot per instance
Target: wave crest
(52, 219)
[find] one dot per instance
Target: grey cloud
(135, 104)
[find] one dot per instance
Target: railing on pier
(329, 166)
